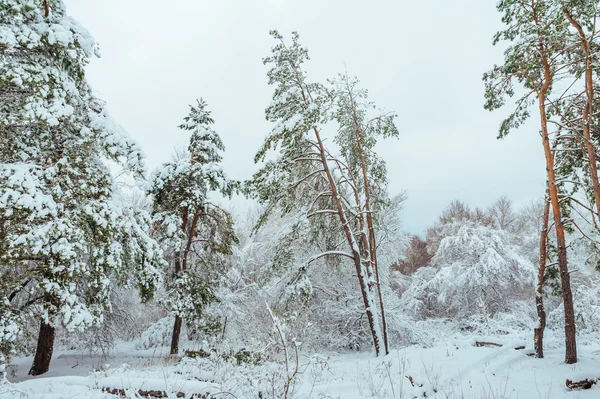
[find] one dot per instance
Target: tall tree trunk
(588, 110)
(361, 270)
(43, 353)
(372, 242)
(565, 278)
(538, 332)
(175, 336)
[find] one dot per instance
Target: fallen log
(583, 384)
(479, 344)
(153, 394)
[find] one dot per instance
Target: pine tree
(341, 194)
(194, 230)
(535, 59)
(582, 107)
(65, 232)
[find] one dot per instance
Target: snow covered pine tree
(194, 230)
(65, 232)
(345, 192)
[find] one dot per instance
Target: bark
(584, 384)
(356, 256)
(43, 353)
(176, 335)
(372, 245)
(372, 242)
(588, 110)
(177, 325)
(154, 394)
(480, 344)
(538, 332)
(565, 277)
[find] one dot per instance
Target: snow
(452, 368)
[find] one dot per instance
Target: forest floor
(454, 368)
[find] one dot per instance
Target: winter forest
(120, 279)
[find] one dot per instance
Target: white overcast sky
(422, 59)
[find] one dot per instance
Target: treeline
(325, 254)
(69, 234)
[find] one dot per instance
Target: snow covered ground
(454, 368)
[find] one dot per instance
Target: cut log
(584, 384)
(519, 348)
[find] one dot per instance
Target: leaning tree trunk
(565, 277)
(372, 241)
(538, 332)
(43, 353)
(361, 271)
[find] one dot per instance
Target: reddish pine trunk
(43, 353)
(538, 333)
(565, 277)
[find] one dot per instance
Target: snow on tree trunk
(565, 277)
(538, 333)
(309, 176)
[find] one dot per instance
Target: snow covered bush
(158, 334)
(477, 269)
(317, 302)
(9, 331)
